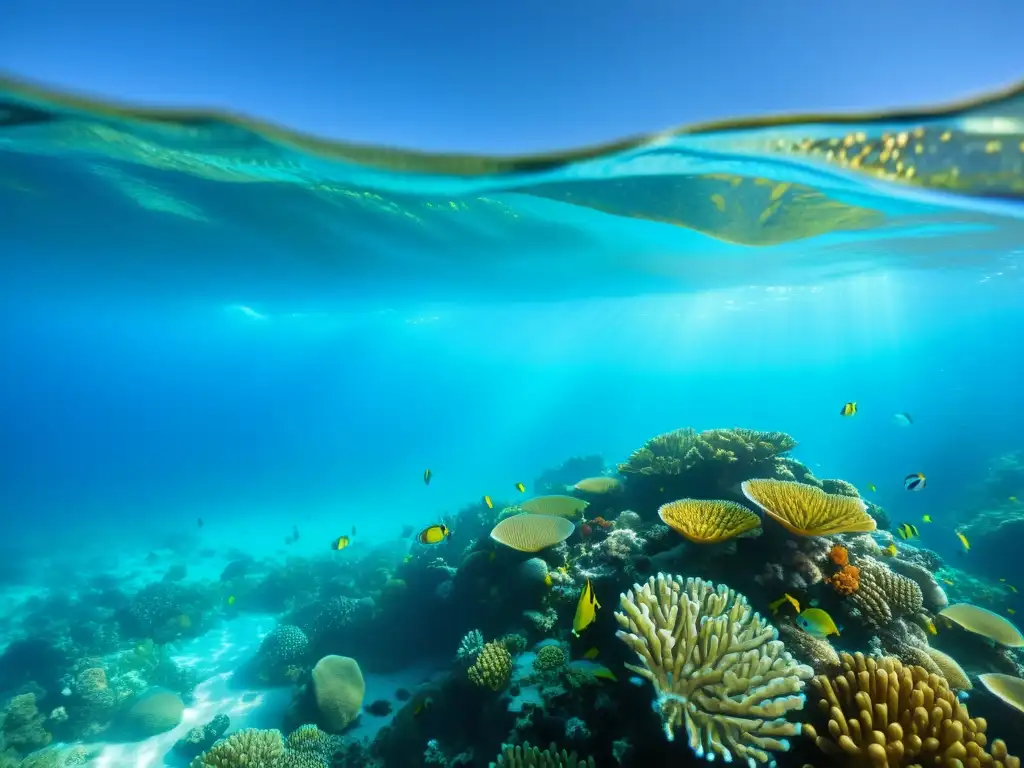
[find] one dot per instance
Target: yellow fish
(948, 581)
(488, 502)
(340, 543)
(520, 487)
(1013, 499)
(433, 534)
(548, 582)
(964, 541)
(871, 487)
(926, 518)
(848, 409)
(1009, 586)
(931, 627)
(786, 598)
(586, 609)
(891, 550)
(591, 654)
(817, 623)
(427, 474)
(231, 599)
(1010, 611)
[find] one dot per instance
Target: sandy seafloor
(216, 656)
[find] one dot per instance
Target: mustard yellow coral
(243, 749)
(808, 511)
(708, 522)
(492, 668)
(883, 714)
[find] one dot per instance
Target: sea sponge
(708, 522)
(846, 580)
(985, 623)
(155, 711)
(839, 555)
(339, 689)
(558, 506)
(806, 510)
(532, 533)
(526, 756)
(250, 748)
(718, 668)
(884, 714)
(492, 668)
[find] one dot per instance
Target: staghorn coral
(492, 668)
(806, 510)
(709, 522)
(883, 594)
(846, 580)
(881, 713)
(243, 749)
(718, 667)
(526, 756)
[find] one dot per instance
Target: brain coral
(154, 712)
(339, 689)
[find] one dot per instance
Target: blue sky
(505, 76)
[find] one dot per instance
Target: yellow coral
(883, 594)
(492, 668)
(708, 522)
(243, 749)
(716, 666)
(883, 714)
(808, 511)
(532, 757)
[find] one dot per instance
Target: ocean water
(218, 335)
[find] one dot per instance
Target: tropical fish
(586, 609)
(1013, 499)
(637, 681)
(427, 474)
(948, 582)
(402, 694)
(590, 654)
(1010, 611)
(915, 482)
(340, 543)
(908, 531)
(231, 600)
(902, 419)
(379, 708)
(1009, 586)
(926, 518)
(931, 627)
(548, 581)
(964, 541)
(422, 705)
(872, 487)
(520, 487)
(433, 534)
(891, 550)
(488, 502)
(817, 623)
(848, 409)
(786, 598)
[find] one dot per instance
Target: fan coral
(806, 510)
(718, 668)
(846, 580)
(882, 713)
(243, 749)
(492, 668)
(532, 757)
(839, 555)
(709, 522)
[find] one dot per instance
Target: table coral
(883, 714)
(806, 510)
(718, 667)
(492, 668)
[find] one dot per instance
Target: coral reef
(717, 667)
(526, 756)
(339, 689)
(491, 668)
(244, 749)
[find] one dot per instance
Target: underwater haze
(264, 372)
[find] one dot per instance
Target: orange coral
(846, 580)
(602, 522)
(839, 555)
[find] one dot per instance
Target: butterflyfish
(817, 623)
(774, 605)
(891, 550)
(915, 482)
(520, 487)
(340, 543)
(908, 531)
(586, 609)
(427, 474)
(434, 534)
(848, 409)
(931, 627)
(231, 600)
(926, 518)
(488, 502)
(964, 541)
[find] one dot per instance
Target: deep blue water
(294, 339)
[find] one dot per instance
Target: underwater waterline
(216, 321)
